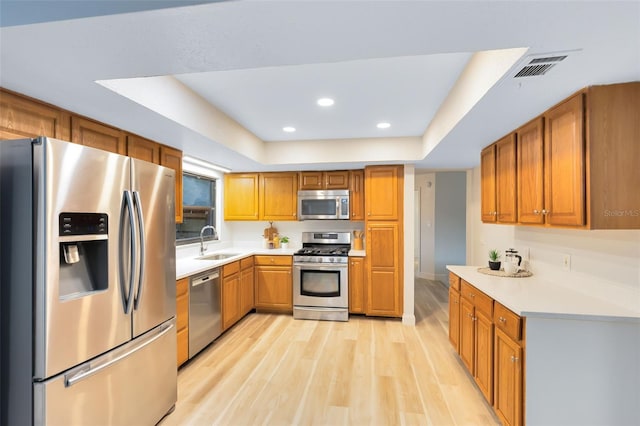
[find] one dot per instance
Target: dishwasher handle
(202, 279)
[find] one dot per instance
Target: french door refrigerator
(87, 311)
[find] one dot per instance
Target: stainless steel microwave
(323, 205)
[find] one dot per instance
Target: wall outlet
(566, 262)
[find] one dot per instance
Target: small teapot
(512, 256)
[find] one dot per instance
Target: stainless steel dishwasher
(205, 321)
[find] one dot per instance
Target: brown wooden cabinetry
(273, 283)
(246, 285)
(182, 319)
(476, 336)
(97, 135)
(383, 195)
(143, 149)
(335, 179)
(230, 294)
(22, 117)
(241, 196)
(498, 181)
(530, 176)
(454, 311)
(356, 194)
(278, 198)
(356, 285)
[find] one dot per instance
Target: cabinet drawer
(182, 311)
(480, 300)
(182, 286)
(273, 260)
(247, 262)
(507, 321)
(454, 281)
(231, 268)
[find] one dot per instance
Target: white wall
(425, 183)
(605, 264)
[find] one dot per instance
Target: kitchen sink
(219, 256)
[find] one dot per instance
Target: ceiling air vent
(539, 66)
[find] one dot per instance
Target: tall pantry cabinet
(384, 187)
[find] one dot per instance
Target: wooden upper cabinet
(506, 179)
(278, 196)
(91, 133)
(241, 196)
(488, 184)
(143, 149)
(22, 117)
(172, 158)
(530, 154)
(564, 164)
(338, 179)
(356, 194)
(383, 192)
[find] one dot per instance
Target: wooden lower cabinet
(273, 283)
(508, 358)
(491, 345)
(384, 271)
(230, 294)
(356, 285)
(182, 319)
(246, 285)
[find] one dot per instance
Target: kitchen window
(199, 208)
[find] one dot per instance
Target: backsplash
(605, 264)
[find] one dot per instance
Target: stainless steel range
(320, 276)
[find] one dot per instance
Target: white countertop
(533, 297)
(188, 266)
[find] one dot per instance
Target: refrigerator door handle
(89, 369)
(127, 293)
(138, 205)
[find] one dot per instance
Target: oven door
(321, 285)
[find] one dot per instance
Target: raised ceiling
(220, 80)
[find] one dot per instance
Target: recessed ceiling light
(383, 125)
(289, 129)
(325, 102)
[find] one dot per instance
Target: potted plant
(494, 262)
(284, 242)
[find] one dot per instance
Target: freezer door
(78, 298)
(135, 384)
(155, 278)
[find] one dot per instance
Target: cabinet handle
(502, 319)
(514, 358)
(474, 319)
(369, 214)
(544, 211)
(536, 212)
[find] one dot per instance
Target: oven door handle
(321, 266)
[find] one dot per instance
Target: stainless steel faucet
(204, 228)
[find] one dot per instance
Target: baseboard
(409, 319)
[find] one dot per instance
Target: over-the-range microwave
(323, 205)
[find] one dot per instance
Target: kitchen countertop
(187, 266)
(534, 297)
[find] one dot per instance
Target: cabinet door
(311, 180)
(382, 192)
(484, 354)
(564, 162)
(508, 380)
(488, 184)
(246, 290)
(356, 194)
(97, 135)
(384, 286)
(506, 179)
(530, 154)
(172, 158)
(182, 320)
(467, 334)
(230, 300)
(22, 117)
(338, 179)
(273, 288)
(241, 196)
(143, 149)
(278, 196)
(356, 285)
(454, 318)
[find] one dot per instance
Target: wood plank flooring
(270, 369)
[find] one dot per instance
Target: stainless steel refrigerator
(87, 268)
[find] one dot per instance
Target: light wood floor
(274, 370)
